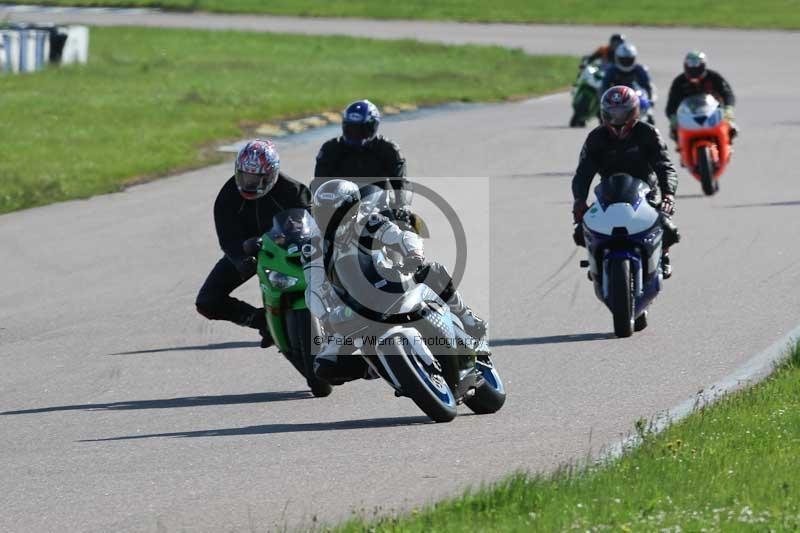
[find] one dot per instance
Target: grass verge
(732, 466)
(729, 13)
(151, 99)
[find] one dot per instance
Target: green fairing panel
(273, 257)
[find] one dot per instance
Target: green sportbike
(280, 275)
(585, 98)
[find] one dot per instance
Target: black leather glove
(579, 209)
(577, 235)
(252, 246)
(668, 205)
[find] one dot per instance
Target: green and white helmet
(694, 66)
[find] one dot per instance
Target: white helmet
(625, 57)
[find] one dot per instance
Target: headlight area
(280, 280)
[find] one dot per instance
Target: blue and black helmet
(360, 122)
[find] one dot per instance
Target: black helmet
(360, 122)
(336, 206)
(615, 40)
(694, 66)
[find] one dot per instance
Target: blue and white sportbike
(423, 352)
(623, 236)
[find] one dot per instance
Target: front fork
(636, 271)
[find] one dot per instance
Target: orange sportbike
(704, 139)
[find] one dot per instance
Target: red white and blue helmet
(360, 122)
(257, 168)
(619, 110)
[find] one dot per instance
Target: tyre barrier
(30, 47)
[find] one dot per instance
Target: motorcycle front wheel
(705, 167)
(425, 385)
(302, 329)
(620, 296)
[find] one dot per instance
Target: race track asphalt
(121, 409)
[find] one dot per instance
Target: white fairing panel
(699, 112)
(590, 76)
(620, 215)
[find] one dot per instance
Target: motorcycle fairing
(699, 111)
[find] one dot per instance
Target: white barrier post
(26, 48)
(76, 49)
(11, 49)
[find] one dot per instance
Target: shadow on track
(267, 429)
(553, 339)
(169, 403)
(218, 346)
(787, 203)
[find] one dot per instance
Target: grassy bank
(730, 467)
(152, 100)
(731, 13)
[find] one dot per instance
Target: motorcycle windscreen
(621, 188)
(292, 226)
(699, 111)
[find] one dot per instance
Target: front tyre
(303, 328)
(705, 168)
(490, 395)
(620, 296)
(580, 106)
(424, 384)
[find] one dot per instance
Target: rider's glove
(668, 205)
(251, 246)
(673, 127)
(339, 314)
(402, 214)
(411, 264)
(729, 116)
(728, 112)
(579, 209)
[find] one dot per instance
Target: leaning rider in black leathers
(624, 144)
(363, 156)
(698, 79)
(347, 251)
(244, 208)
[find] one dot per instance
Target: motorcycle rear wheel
(705, 167)
(620, 296)
(490, 396)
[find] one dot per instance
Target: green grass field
(153, 101)
(734, 466)
(733, 13)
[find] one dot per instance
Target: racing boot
(337, 368)
(258, 320)
(666, 267)
(474, 325)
